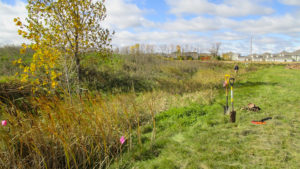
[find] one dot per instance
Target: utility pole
(251, 45)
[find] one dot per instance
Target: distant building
(283, 56)
(266, 56)
(230, 56)
(173, 55)
(296, 55)
(188, 55)
(204, 56)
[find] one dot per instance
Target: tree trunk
(77, 65)
(67, 78)
(78, 73)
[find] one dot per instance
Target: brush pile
(293, 66)
(252, 107)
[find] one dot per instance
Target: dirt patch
(252, 107)
(293, 66)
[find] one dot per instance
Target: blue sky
(196, 24)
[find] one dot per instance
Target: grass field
(128, 95)
(199, 136)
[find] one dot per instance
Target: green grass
(200, 136)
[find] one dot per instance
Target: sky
(274, 25)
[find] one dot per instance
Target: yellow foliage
(22, 50)
(19, 23)
(24, 45)
(135, 49)
(24, 34)
(19, 61)
(53, 75)
(53, 84)
(34, 47)
(20, 88)
(24, 78)
(37, 81)
(26, 69)
(32, 67)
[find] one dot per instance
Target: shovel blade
(226, 110)
(232, 116)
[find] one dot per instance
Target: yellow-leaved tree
(178, 52)
(135, 49)
(61, 32)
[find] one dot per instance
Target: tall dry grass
(82, 134)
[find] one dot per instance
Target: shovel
(226, 107)
(232, 113)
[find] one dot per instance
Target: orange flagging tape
(258, 122)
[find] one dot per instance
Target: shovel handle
(231, 81)
(227, 77)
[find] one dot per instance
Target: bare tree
(150, 49)
(116, 50)
(172, 46)
(163, 48)
(215, 49)
(125, 50)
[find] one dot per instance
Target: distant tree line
(180, 52)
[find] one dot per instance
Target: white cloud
(198, 24)
(263, 44)
(8, 29)
(290, 2)
(230, 36)
(124, 38)
(122, 14)
(285, 24)
(228, 8)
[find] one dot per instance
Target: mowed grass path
(200, 136)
